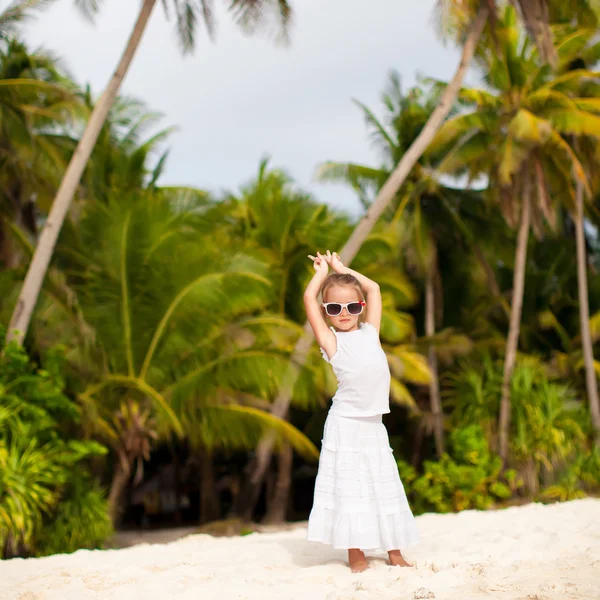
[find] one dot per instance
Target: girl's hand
(319, 263)
(333, 260)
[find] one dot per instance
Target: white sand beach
(532, 552)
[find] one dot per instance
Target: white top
(363, 373)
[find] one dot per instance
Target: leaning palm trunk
(512, 341)
(364, 227)
(584, 316)
(434, 387)
(21, 316)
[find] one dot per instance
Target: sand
(531, 552)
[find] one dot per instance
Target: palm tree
(585, 56)
(130, 434)
(36, 101)
(588, 150)
(516, 137)
(120, 164)
(584, 313)
(467, 22)
(272, 217)
(251, 14)
(181, 344)
(120, 160)
(423, 205)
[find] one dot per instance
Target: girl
(359, 500)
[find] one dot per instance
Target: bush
(469, 477)
(548, 420)
(580, 477)
(80, 520)
(48, 502)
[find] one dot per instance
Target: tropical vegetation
(164, 355)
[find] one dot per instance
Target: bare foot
(397, 560)
(357, 560)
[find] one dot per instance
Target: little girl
(359, 500)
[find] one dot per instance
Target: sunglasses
(333, 309)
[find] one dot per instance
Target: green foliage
(579, 478)
(48, 502)
(467, 477)
(178, 314)
(80, 520)
(36, 103)
(472, 392)
(548, 420)
(521, 128)
(548, 424)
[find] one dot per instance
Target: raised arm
(325, 337)
(370, 287)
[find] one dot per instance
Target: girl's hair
(343, 280)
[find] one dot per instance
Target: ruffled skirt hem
(359, 499)
(365, 531)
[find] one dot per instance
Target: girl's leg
(396, 559)
(357, 560)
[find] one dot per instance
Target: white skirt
(359, 499)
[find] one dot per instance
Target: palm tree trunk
(278, 505)
(178, 488)
(209, 501)
(418, 147)
(434, 387)
(536, 18)
(117, 491)
(515, 320)
(584, 316)
(359, 235)
(43, 254)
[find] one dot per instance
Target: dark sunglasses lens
(334, 309)
(355, 308)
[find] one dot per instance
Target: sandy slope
(530, 552)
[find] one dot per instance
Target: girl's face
(343, 295)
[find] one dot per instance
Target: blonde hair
(343, 280)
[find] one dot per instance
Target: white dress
(359, 500)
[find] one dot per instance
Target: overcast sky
(242, 97)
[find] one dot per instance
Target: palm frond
(17, 12)
(575, 122)
(242, 427)
(400, 396)
(259, 372)
(272, 16)
(456, 128)
(88, 8)
(415, 368)
(396, 327)
(208, 281)
(380, 136)
(140, 385)
(595, 326)
(350, 173)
